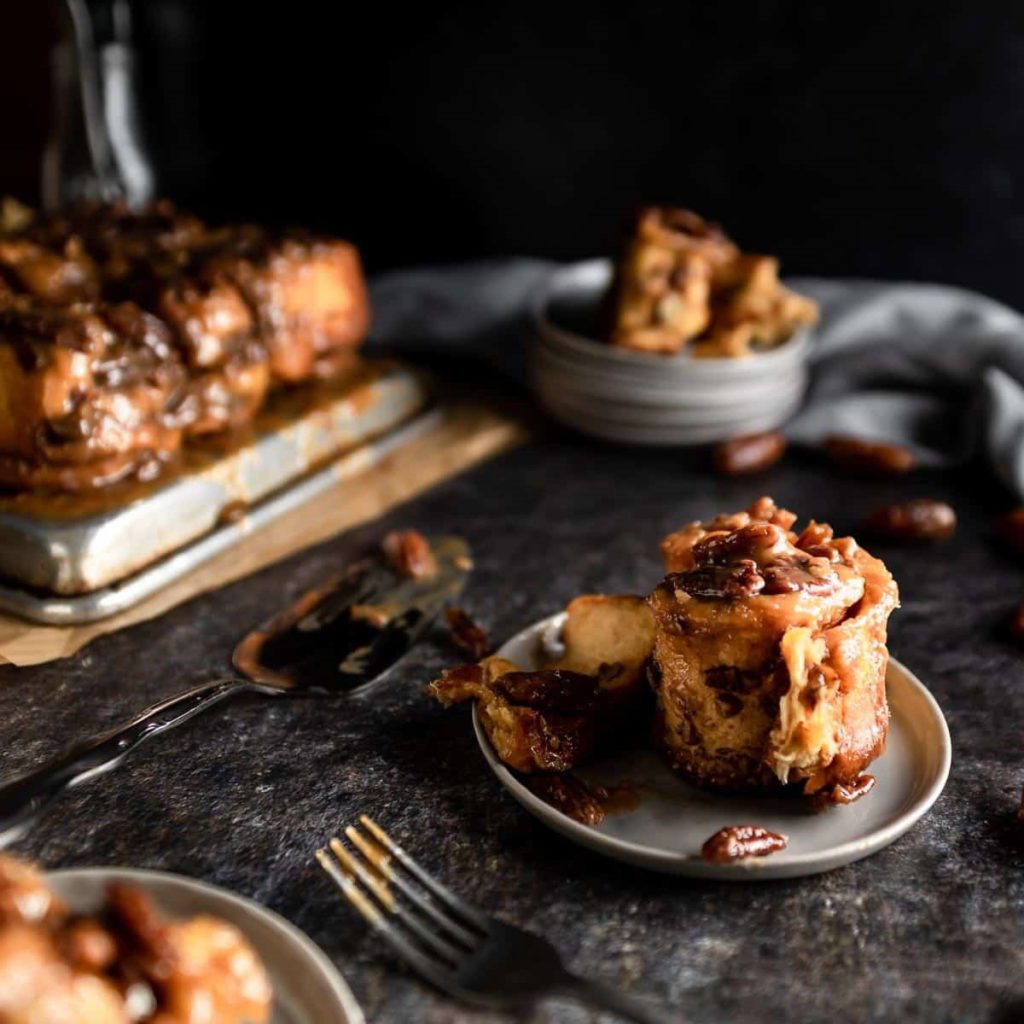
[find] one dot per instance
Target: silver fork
(455, 946)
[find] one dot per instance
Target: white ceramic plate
(307, 987)
(673, 819)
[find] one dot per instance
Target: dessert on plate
(770, 652)
(760, 659)
(681, 283)
(122, 964)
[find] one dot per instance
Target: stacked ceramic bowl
(636, 398)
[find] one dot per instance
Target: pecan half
(552, 689)
(408, 552)
(739, 841)
(756, 541)
(922, 519)
(466, 634)
(749, 454)
(728, 581)
(465, 682)
(843, 793)
(869, 458)
(790, 577)
(572, 796)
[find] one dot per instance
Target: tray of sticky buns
(160, 376)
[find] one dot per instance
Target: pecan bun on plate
(765, 650)
(769, 654)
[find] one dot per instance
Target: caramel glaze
(284, 408)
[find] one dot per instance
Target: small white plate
(307, 987)
(673, 819)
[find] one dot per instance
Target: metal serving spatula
(336, 639)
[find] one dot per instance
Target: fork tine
(353, 867)
(436, 915)
(440, 892)
(405, 950)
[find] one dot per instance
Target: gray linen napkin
(936, 368)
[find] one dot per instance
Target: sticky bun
(770, 652)
(238, 310)
(123, 963)
(681, 281)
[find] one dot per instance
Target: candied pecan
(738, 841)
(466, 634)
(922, 519)
(816, 539)
(843, 793)
(846, 548)
(730, 581)
(457, 684)
(572, 796)
(409, 554)
(748, 454)
(556, 741)
(1011, 529)
(795, 575)
(757, 541)
(551, 689)
(766, 509)
(869, 458)
(814, 533)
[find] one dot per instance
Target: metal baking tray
(75, 559)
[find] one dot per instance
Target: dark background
(869, 139)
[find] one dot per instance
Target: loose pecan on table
(751, 453)
(739, 841)
(922, 519)
(869, 458)
(466, 634)
(408, 552)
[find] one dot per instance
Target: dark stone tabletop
(929, 929)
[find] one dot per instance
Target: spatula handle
(23, 799)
